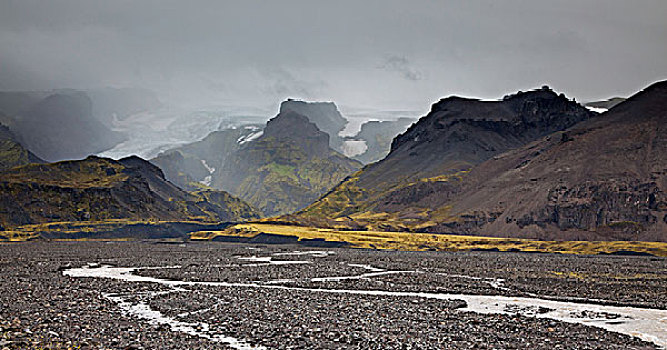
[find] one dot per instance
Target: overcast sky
(380, 54)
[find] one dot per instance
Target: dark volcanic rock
(324, 114)
(456, 135)
(606, 179)
(459, 133)
(43, 308)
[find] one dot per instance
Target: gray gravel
(41, 308)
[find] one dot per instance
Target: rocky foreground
(263, 297)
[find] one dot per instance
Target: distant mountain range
(533, 165)
(288, 167)
(278, 168)
(194, 165)
(377, 136)
(324, 115)
(56, 125)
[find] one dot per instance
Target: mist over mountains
(313, 116)
(298, 174)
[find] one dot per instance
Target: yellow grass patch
(441, 242)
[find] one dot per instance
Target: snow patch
(353, 148)
(597, 109)
(250, 137)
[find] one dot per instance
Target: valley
(269, 175)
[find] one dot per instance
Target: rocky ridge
(96, 189)
(456, 135)
(289, 166)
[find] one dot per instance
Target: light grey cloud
(401, 65)
(256, 52)
(281, 82)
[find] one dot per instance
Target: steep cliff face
(100, 189)
(601, 179)
(459, 133)
(456, 135)
(285, 169)
(324, 115)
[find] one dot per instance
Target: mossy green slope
(191, 165)
(12, 153)
(97, 189)
(287, 168)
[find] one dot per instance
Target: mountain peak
(289, 125)
(324, 114)
(454, 121)
(305, 106)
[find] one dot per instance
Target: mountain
(278, 168)
(457, 134)
(194, 164)
(378, 135)
(12, 153)
(286, 168)
(56, 126)
(324, 114)
(604, 178)
(101, 189)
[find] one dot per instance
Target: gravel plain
(41, 307)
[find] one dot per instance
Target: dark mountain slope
(605, 178)
(100, 189)
(323, 114)
(457, 134)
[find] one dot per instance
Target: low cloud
(402, 66)
(283, 83)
